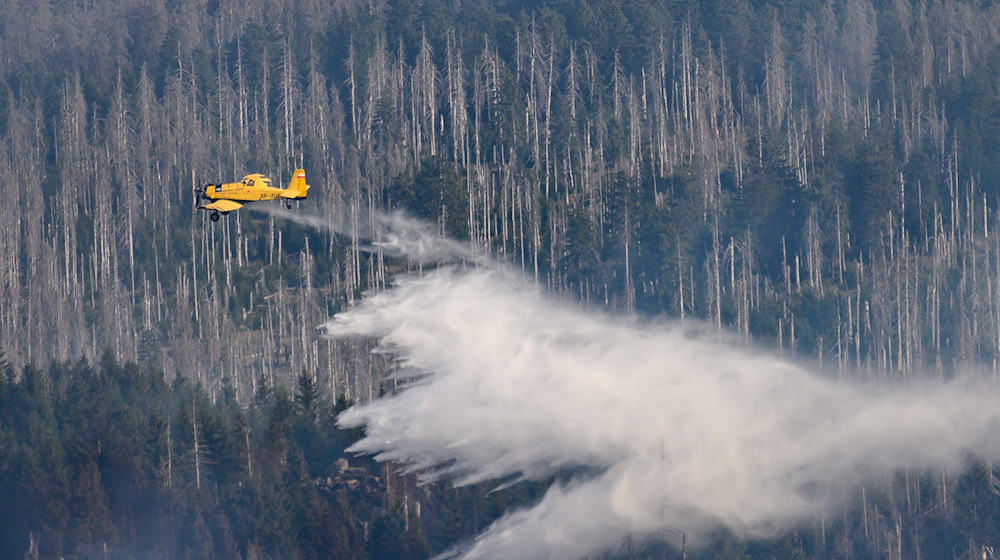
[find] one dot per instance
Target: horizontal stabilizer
(221, 206)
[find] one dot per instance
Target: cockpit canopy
(256, 179)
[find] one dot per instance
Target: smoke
(670, 429)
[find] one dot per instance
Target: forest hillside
(814, 177)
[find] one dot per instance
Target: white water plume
(394, 234)
(669, 430)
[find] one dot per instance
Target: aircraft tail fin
(297, 187)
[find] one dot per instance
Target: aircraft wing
(221, 206)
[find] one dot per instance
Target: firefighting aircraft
(232, 196)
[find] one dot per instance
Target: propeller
(199, 192)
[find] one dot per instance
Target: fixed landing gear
(214, 216)
(288, 205)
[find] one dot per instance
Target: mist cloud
(393, 234)
(680, 432)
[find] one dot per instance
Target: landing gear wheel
(288, 205)
(214, 216)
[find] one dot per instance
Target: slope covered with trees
(109, 461)
(114, 461)
(817, 176)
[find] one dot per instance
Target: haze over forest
(811, 187)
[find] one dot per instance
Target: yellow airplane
(232, 196)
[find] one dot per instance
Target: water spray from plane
(393, 233)
(669, 430)
(685, 433)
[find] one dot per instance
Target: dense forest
(816, 176)
(114, 461)
(110, 461)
